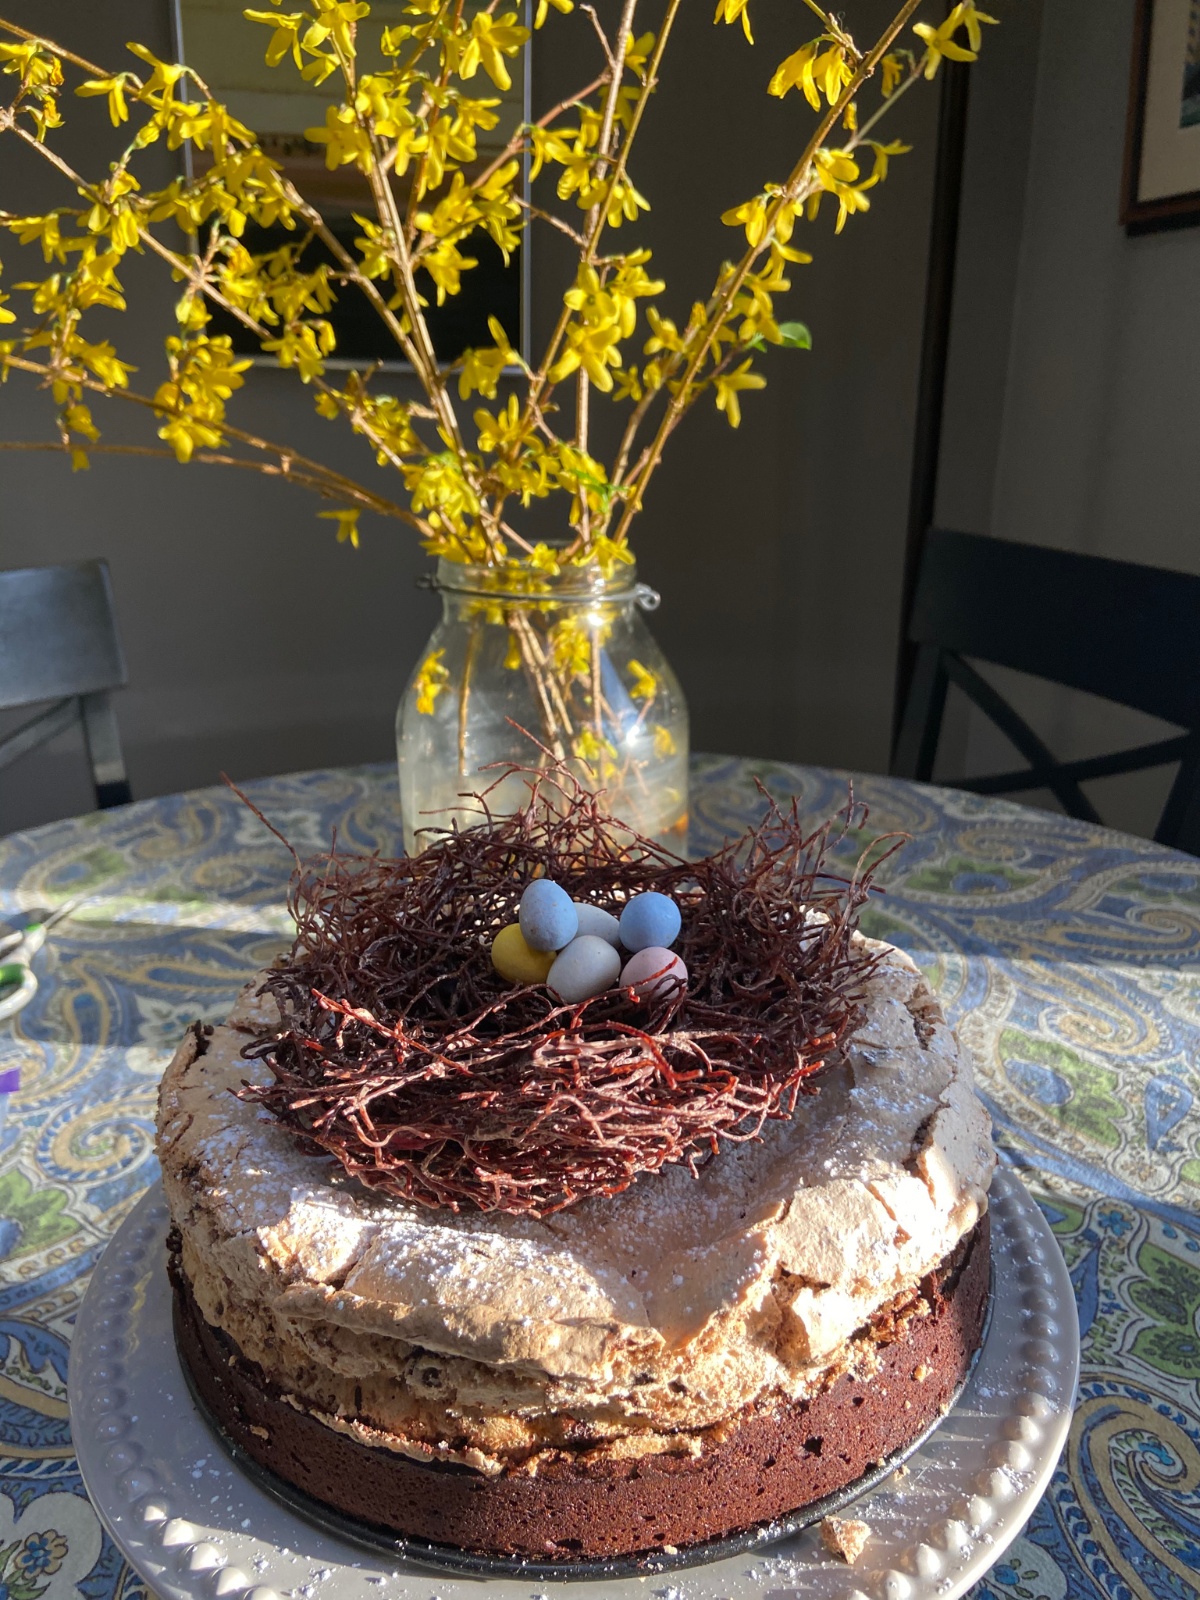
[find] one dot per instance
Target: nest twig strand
(407, 1057)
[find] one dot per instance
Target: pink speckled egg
(652, 971)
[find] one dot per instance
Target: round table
(1067, 956)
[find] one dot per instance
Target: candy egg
(547, 916)
(650, 919)
(652, 971)
(587, 966)
(602, 924)
(514, 960)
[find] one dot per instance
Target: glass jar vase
(528, 668)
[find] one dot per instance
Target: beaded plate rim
(446, 1558)
(145, 1449)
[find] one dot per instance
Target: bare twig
(290, 463)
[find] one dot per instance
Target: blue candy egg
(586, 967)
(601, 924)
(547, 916)
(650, 919)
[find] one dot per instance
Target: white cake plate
(197, 1528)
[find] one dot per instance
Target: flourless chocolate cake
(699, 1353)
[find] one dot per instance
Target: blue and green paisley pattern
(1068, 958)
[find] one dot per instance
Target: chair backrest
(57, 633)
(1113, 628)
(1126, 632)
(58, 642)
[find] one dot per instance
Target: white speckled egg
(587, 967)
(601, 924)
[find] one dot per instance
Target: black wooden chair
(1126, 632)
(58, 642)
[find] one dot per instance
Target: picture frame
(1161, 179)
(212, 37)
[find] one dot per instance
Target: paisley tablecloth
(1067, 956)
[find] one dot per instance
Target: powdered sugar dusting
(677, 1273)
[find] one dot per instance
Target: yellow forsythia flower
(645, 684)
(431, 680)
(728, 385)
(893, 71)
(607, 554)
(731, 10)
(543, 6)
(114, 89)
(941, 42)
(347, 521)
(542, 559)
(571, 648)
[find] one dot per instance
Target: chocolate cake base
(766, 1463)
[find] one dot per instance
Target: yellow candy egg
(514, 960)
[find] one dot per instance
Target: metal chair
(1126, 632)
(58, 642)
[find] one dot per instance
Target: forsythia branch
(414, 130)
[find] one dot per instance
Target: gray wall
(1093, 436)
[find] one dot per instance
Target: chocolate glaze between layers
(771, 1459)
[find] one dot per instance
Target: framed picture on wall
(213, 38)
(1161, 187)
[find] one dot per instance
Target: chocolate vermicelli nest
(403, 1053)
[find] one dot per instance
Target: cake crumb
(922, 1371)
(845, 1537)
(260, 1433)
